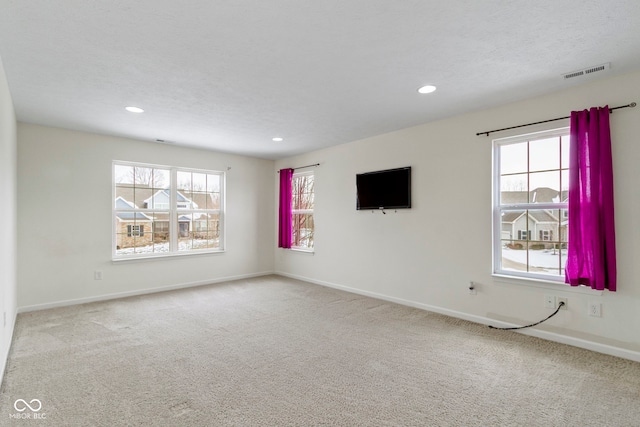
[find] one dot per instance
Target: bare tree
(149, 177)
(302, 207)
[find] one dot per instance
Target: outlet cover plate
(595, 309)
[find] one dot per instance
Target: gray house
(547, 228)
(135, 229)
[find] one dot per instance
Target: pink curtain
(591, 257)
(284, 218)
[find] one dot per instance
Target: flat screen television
(385, 189)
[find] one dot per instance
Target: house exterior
(534, 228)
(135, 229)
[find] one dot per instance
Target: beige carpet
(278, 352)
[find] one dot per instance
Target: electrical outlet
(473, 288)
(97, 275)
(564, 300)
(595, 309)
(549, 301)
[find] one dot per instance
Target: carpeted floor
(273, 351)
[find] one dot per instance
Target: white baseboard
(105, 297)
(550, 336)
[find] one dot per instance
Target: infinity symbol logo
(26, 405)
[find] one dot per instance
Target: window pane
(160, 229)
(161, 178)
(198, 200)
(302, 192)
(564, 145)
(563, 259)
(143, 177)
(513, 189)
(514, 255)
(564, 176)
(133, 237)
(544, 154)
(534, 241)
(184, 181)
(513, 158)
(563, 228)
(540, 183)
(303, 230)
(124, 198)
(198, 231)
(511, 222)
(198, 182)
(123, 175)
(158, 199)
(213, 183)
(545, 258)
(184, 200)
(213, 201)
(142, 198)
(547, 254)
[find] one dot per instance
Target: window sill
(302, 251)
(165, 256)
(544, 284)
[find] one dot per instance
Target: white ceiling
(230, 75)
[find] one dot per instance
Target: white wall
(64, 210)
(8, 236)
(427, 255)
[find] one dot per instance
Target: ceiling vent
(587, 71)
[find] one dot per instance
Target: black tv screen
(385, 189)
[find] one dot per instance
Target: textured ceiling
(230, 75)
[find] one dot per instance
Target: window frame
(498, 209)
(302, 211)
(173, 212)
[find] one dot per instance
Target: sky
(541, 162)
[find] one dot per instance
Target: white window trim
(304, 211)
(497, 209)
(174, 213)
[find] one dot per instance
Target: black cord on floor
(533, 324)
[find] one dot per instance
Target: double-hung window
(530, 205)
(163, 210)
(302, 199)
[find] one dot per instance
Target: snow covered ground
(185, 245)
(545, 260)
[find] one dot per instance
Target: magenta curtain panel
(285, 230)
(591, 257)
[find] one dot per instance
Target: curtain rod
(307, 166)
(632, 105)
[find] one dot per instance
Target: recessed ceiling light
(277, 139)
(427, 89)
(134, 109)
